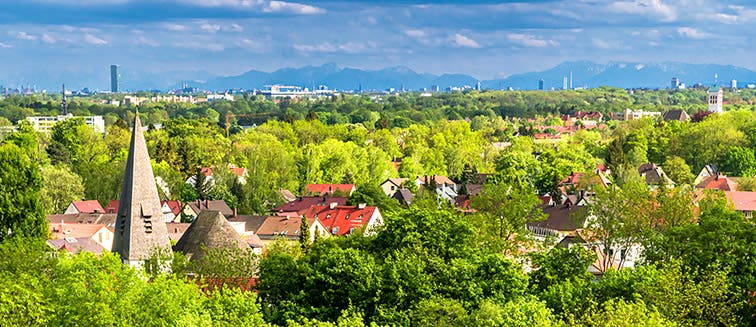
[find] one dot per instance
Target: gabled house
(171, 210)
(85, 206)
(83, 218)
(444, 187)
(677, 114)
(210, 231)
(288, 227)
(76, 245)
(391, 185)
(325, 189)
(706, 171)
(176, 230)
(345, 220)
(654, 175)
(718, 182)
(99, 233)
(287, 196)
(192, 209)
(561, 220)
(744, 202)
(404, 196)
(306, 202)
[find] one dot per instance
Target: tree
(739, 161)
(60, 188)
(304, 235)
(678, 170)
(502, 211)
(21, 213)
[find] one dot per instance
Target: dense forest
(429, 265)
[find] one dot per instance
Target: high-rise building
(734, 84)
(140, 229)
(540, 84)
(115, 79)
(675, 83)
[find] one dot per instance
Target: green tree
(60, 188)
(21, 213)
(678, 170)
(739, 161)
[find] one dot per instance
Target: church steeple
(140, 228)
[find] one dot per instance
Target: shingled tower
(140, 228)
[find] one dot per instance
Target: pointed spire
(140, 228)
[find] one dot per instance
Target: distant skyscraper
(564, 83)
(734, 84)
(63, 103)
(675, 83)
(115, 79)
(570, 80)
(540, 84)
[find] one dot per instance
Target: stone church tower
(715, 99)
(140, 228)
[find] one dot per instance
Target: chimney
(207, 203)
(332, 205)
(582, 194)
(234, 211)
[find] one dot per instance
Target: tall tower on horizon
(115, 79)
(63, 103)
(140, 227)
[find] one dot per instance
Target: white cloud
(4, 46)
(290, 7)
(91, 39)
(146, 41)
(175, 27)
(235, 28)
(25, 36)
(322, 47)
(415, 33)
(692, 33)
(47, 38)
(529, 40)
(653, 8)
(210, 27)
(459, 40)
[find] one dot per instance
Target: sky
(486, 39)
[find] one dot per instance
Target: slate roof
(88, 206)
(677, 114)
(305, 202)
(83, 218)
(216, 205)
(209, 231)
(251, 223)
(176, 230)
(404, 196)
(654, 174)
(76, 245)
(562, 217)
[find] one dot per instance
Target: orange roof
(718, 183)
(743, 201)
(74, 230)
(175, 205)
(341, 220)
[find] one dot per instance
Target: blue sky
(487, 39)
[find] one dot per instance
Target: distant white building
(715, 99)
(215, 97)
(45, 124)
(634, 114)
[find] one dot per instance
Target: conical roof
(140, 228)
(209, 231)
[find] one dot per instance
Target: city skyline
(485, 39)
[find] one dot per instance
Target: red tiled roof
(74, 230)
(306, 202)
(238, 171)
(329, 188)
(88, 206)
(574, 178)
(112, 206)
(718, 183)
(341, 220)
(276, 226)
(743, 201)
(175, 206)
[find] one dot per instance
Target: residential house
(333, 189)
(634, 114)
(444, 187)
(85, 206)
(345, 220)
(171, 210)
(239, 172)
(706, 171)
(99, 233)
(404, 196)
(287, 195)
(561, 220)
(305, 202)
(391, 185)
(192, 209)
(677, 114)
(248, 226)
(744, 202)
(83, 218)
(718, 182)
(287, 227)
(654, 175)
(176, 230)
(76, 245)
(210, 231)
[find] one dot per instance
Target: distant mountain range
(584, 74)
